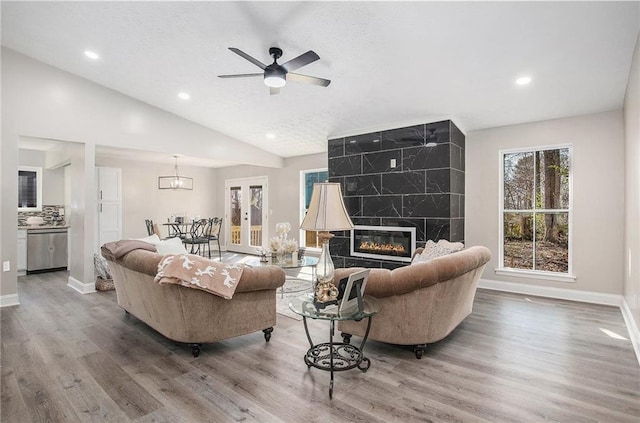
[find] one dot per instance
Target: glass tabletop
(303, 262)
(303, 305)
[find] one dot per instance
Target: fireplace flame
(386, 248)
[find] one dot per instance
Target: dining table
(178, 229)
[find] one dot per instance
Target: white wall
(284, 187)
(52, 179)
(44, 102)
(598, 194)
(631, 253)
(141, 198)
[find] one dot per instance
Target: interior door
(246, 214)
(109, 205)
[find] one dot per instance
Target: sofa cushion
(433, 250)
(198, 272)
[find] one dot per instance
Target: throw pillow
(170, 246)
(200, 273)
(453, 246)
(433, 250)
(101, 266)
(151, 239)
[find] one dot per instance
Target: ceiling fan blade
(240, 75)
(241, 53)
(274, 90)
(308, 79)
(300, 61)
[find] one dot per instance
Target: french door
(246, 211)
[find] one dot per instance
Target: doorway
(246, 211)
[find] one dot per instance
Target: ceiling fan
(276, 75)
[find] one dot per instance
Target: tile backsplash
(52, 216)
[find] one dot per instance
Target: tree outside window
(536, 208)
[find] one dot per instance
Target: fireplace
(383, 242)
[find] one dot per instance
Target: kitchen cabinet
(21, 261)
(109, 184)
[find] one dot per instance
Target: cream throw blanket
(200, 273)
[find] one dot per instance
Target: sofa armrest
(260, 278)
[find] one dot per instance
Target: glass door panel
(255, 238)
(247, 211)
(235, 200)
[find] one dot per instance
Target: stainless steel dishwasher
(46, 249)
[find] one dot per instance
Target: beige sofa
(423, 302)
(191, 315)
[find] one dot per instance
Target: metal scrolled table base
(336, 356)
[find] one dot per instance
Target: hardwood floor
(68, 357)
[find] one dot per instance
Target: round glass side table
(335, 356)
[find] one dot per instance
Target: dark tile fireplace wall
(425, 189)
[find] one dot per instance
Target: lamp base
(325, 294)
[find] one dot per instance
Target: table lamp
(327, 212)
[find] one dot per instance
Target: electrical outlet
(6, 266)
(393, 162)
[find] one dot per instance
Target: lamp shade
(327, 211)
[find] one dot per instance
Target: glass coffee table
(311, 262)
(335, 356)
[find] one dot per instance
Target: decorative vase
(288, 258)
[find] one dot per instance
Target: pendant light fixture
(175, 181)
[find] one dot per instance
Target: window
(29, 188)
(309, 239)
(535, 204)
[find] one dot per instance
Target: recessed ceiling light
(523, 80)
(91, 54)
(184, 96)
(270, 136)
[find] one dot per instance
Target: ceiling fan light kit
(276, 75)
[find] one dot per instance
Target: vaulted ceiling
(390, 63)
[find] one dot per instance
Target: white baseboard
(550, 292)
(83, 288)
(9, 300)
(634, 333)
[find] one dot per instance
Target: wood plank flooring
(68, 357)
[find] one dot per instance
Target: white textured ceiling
(390, 63)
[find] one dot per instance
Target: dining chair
(199, 236)
(214, 234)
(149, 224)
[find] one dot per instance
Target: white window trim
(526, 273)
(38, 171)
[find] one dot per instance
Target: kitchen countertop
(27, 227)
